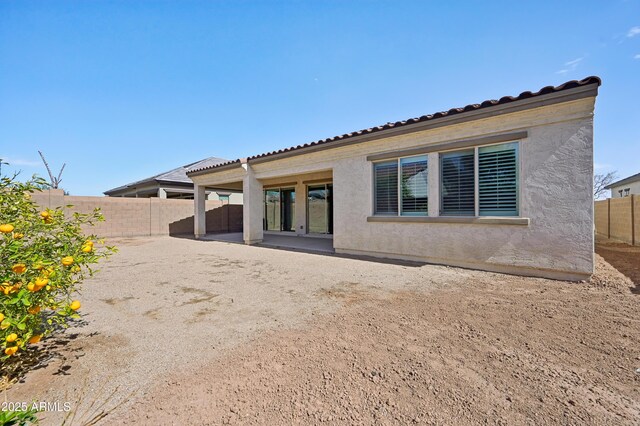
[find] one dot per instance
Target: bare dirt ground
(195, 332)
(625, 258)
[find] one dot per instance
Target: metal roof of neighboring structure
(174, 176)
(438, 115)
(624, 181)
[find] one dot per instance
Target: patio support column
(200, 226)
(253, 206)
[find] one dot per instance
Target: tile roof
(629, 179)
(453, 111)
(177, 175)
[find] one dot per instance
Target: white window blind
(386, 188)
(414, 189)
(457, 183)
(498, 180)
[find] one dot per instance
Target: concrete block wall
(601, 218)
(636, 213)
(619, 219)
(126, 217)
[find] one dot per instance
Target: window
(386, 191)
(496, 179)
(457, 184)
(404, 193)
(414, 191)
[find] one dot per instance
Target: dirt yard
(624, 258)
(190, 332)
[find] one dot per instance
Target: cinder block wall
(127, 217)
(619, 219)
(636, 212)
(601, 218)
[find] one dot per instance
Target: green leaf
(21, 326)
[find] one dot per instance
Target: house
(625, 187)
(504, 185)
(175, 184)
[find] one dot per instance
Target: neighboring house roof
(177, 176)
(634, 178)
(438, 115)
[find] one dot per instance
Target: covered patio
(289, 207)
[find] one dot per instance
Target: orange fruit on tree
(6, 228)
(75, 305)
(35, 339)
(45, 214)
(11, 351)
(67, 260)
(17, 236)
(32, 287)
(33, 310)
(87, 248)
(1, 317)
(19, 268)
(12, 337)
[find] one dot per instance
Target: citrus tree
(44, 256)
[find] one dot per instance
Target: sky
(119, 90)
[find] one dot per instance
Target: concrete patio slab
(286, 242)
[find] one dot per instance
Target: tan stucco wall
(556, 195)
(125, 217)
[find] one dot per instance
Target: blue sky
(123, 90)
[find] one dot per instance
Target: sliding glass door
(320, 209)
(279, 209)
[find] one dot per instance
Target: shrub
(44, 256)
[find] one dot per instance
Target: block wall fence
(619, 219)
(129, 217)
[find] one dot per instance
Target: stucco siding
(556, 169)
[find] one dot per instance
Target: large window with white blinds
(401, 187)
(457, 183)
(498, 180)
(494, 184)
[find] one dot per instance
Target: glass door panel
(272, 210)
(288, 209)
(320, 209)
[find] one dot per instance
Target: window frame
(398, 161)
